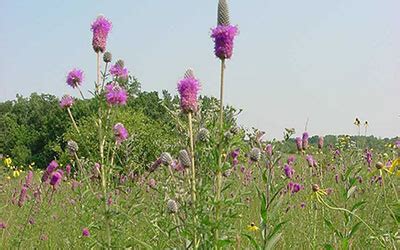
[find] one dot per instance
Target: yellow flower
(252, 227)
(7, 161)
(16, 173)
(30, 167)
(395, 167)
(8, 177)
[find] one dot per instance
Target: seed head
(184, 158)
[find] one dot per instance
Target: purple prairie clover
(289, 171)
(66, 101)
(75, 78)
(85, 232)
(304, 141)
(291, 159)
(120, 132)
(55, 179)
(320, 142)
(50, 169)
(310, 160)
(22, 196)
(294, 187)
(299, 144)
(28, 179)
(368, 157)
(3, 225)
(234, 156)
(188, 89)
(117, 70)
(100, 28)
(397, 143)
(115, 94)
(68, 169)
(268, 149)
(223, 36)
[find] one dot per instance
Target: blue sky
(328, 61)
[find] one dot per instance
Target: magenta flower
(223, 36)
(3, 225)
(75, 78)
(234, 156)
(28, 179)
(299, 144)
(118, 71)
(55, 179)
(294, 187)
(66, 101)
(50, 169)
(188, 89)
(310, 160)
(368, 157)
(85, 232)
(291, 159)
(268, 149)
(397, 143)
(22, 196)
(120, 132)
(320, 142)
(152, 183)
(289, 171)
(100, 28)
(305, 141)
(68, 169)
(115, 94)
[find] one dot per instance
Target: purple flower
(268, 149)
(118, 71)
(85, 232)
(305, 141)
(188, 89)
(289, 171)
(75, 78)
(223, 36)
(310, 160)
(303, 205)
(294, 187)
(299, 144)
(152, 183)
(115, 94)
(155, 165)
(291, 159)
(22, 196)
(3, 225)
(50, 169)
(397, 143)
(120, 132)
(100, 28)
(55, 179)
(68, 169)
(337, 178)
(234, 156)
(28, 179)
(368, 157)
(66, 101)
(320, 142)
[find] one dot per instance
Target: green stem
(73, 120)
(193, 182)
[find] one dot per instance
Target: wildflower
(255, 154)
(203, 135)
(107, 57)
(31, 221)
(75, 78)
(291, 159)
(152, 183)
(7, 161)
(294, 187)
(320, 142)
(68, 169)
(234, 156)
(223, 36)
(188, 89)
(311, 162)
(303, 205)
(184, 158)
(50, 168)
(368, 157)
(28, 179)
(166, 158)
(252, 227)
(172, 206)
(72, 147)
(22, 196)
(3, 225)
(66, 101)
(299, 144)
(55, 179)
(118, 71)
(115, 94)
(268, 149)
(120, 132)
(395, 168)
(289, 171)
(85, 232)
(100, 28)
(155, 165)
(304, 141)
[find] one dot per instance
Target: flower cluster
(100, 28)
(66, 101)
(120, 132)
(75, 78)
(115, 94)
(223, 36)
(188, 89)
(119, 71)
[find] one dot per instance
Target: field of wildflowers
(212, 185)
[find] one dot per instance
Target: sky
(325, 61)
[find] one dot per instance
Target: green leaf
(345, 244)
(273, 240)
(351, 191)
(357, 205)
(328, 247)
(276, 229)
(252, 241)
(354, 229)
(330, 225)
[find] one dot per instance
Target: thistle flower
(120, 132)
(66, 101)
(107, 57)
(184, 158)
(166, 158)
(305, 141)
(203, 135)
(22, 196)
(85, 232)
(289, 171)
(75, 78)
(255, 154)
(55, 179)
(72, 147)
(188, 89)
(118, 71)
(100, 28)
(320, 142)
(172, 206)
(299, 144)
(115, 94)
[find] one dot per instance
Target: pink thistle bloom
(22, 196)
(223, 36)
(299, 144)
(75, 78)
(116, 95)
(100, 28)
(118, 71)
(188, 89)
(85, 232)
(55, 179)
(320, 142)
(66, 101)
(120, 132)
(305, 141)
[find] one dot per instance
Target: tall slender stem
(73, 120)
(193, 172)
